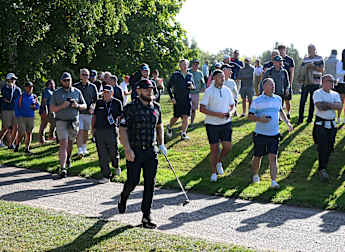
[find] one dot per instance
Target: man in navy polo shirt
(9, 92)
(236, 66)
(289, 66)
(265, 111)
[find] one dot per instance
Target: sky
(253, 27)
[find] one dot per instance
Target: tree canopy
(40, 39)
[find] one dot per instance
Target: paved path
(246, 223)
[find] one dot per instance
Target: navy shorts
(265, 144)
(183, 108)
(219, 133)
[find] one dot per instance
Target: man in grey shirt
(199, 84)
(66, 103)
(246, 75)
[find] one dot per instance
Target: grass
(24, 228)
(297, 174)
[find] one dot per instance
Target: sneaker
(338, 120)
(274, 185)
(63, 173)
(256, 179)
(117, 171)
(220, 170)
(184, 136)
(85, 152)
(243, 115)
(148, 223)
(103, 181)
(169, 131)
(11, 147)
(214, 177)
(16, 149)
(2, 145)
(80, 152)
(323, 175)
(27, 151)
(288, 116)
(122, 206)
(191, 126)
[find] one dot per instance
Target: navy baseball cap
(226, 66)
(108, 88)
(93, 73)
(277, 58)
(144, 67)
(66, 75)
(196, 61)
(146, 83)
(28, 84)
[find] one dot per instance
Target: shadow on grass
(87, 239)
(306, 189)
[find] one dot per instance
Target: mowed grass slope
(28, 229)
(297, 175)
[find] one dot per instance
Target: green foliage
(40, 39)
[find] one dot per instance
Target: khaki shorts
(65, 131)
(25, 124)
(85, 121)
(8, 118)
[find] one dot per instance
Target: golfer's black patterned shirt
(141, 121)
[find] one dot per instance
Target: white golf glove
(163, 149)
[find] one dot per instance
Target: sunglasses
(85, 74)
(66, 80)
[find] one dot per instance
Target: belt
(143, 147)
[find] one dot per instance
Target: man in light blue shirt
(205, 71)
(265, 111)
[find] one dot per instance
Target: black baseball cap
(108, 88)
(28, 84)
(144, 84)
(226, 66)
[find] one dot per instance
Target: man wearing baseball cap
(93, 79)
(66, 103)
(141, 129)
(199, 85)
(25, 107)
(280, 77)
(104, 125)
(9, 92)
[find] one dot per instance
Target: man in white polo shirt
(218, 104)
(326, 103)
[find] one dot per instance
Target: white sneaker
(169, 131)
(2, 145)
(338, 120)
(85, 152)
(80, 152)
(214, 177)
(220, 170)
(256, 179)
(184, 136)
(118, 171)
(274, 185)
(103, 181)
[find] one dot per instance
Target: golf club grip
(179, 182)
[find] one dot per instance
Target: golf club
(179, 182)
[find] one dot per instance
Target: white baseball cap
(11, 76)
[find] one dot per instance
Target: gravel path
(246, 223)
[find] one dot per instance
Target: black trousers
(106, 144)
(325, 139)
(148, 161)
(307, 89)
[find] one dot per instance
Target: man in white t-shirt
(218, 103)
(326, 103)
(230, 83)
(124, 86)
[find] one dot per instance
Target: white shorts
(85, 121)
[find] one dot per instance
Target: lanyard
(12, 92)
(109, 109)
